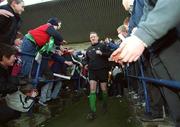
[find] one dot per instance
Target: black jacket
(95, 61)
(7, 83)
(9, 26)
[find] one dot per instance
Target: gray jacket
(157, 21)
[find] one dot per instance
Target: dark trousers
(118, 84)
(156, 100)
(154, 91)
(166, 66)
(7, 114)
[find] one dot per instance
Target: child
(9, 89)
(7, 59)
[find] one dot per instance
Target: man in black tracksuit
(97, 60)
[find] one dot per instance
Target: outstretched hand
(69, 63)
(130, 50)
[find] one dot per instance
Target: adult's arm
(163, 17)
(6, 13)
(57, 36)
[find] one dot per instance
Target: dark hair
(93, 33)
(7, 50)
(26, 88)
(17, 1)
(53, 21)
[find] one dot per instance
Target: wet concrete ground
(118, 115)
(71, 109)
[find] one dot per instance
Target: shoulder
(102, 45)
(7, 8)
(89, 48)
(49, 27)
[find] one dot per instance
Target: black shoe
(104, 108)
(152, 118)
(91, 116)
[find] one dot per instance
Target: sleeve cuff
(144, 37)
(139, 40)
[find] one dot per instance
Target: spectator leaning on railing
(158, 20)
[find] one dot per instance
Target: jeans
(46, 92)
(56, 89)
(27, 61)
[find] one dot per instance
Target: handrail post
(126, 76)
(144, 86)
(36, 80)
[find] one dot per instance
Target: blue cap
(53, 21)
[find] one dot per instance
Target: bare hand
(115, 55)
(69, 63)
(65, 42)
(98, 52)
(86, 66)
(59, 52)
(130, 50)
(6, 13)
(81, 65)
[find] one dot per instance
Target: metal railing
(144, 80)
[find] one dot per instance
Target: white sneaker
(118, 96)
(48, 99)
(42, 103)
(135, 96)
(131, 92)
